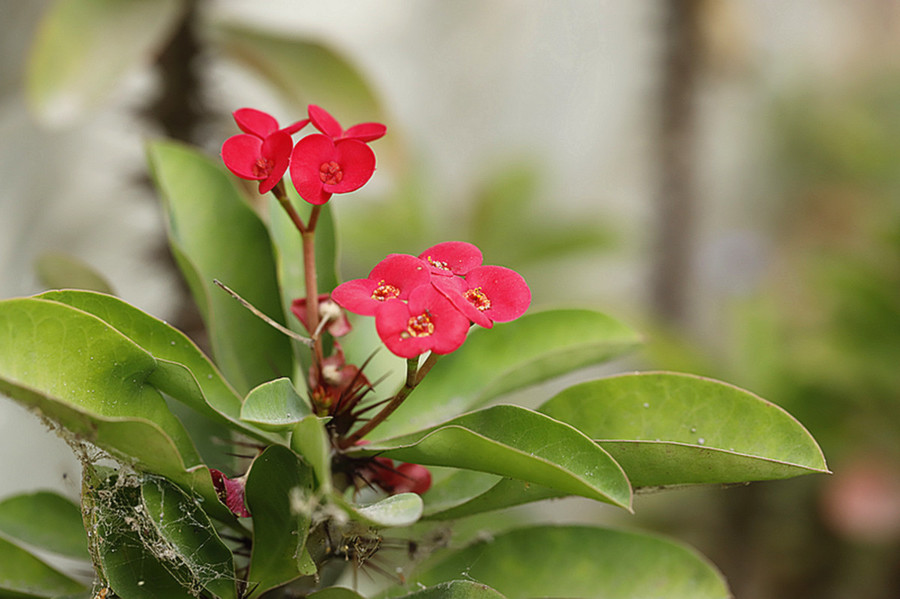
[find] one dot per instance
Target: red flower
(428, 322)
(258, 159)
(321, 166)
(262, 124)
(230, 492)
(392, 278)
(328, 125)
(452, 258)
(339, 325)
(488, 294)
(405, 478)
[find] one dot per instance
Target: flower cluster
(428, 302)
(321, 164)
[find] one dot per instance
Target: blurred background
(724, 175)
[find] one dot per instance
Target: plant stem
(312, 291)
(281, 196)
(414, 376)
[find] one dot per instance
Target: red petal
(324, 122)
(293, 128)
(365, 132)
(402, 271)
(230, 492)
(277, 148)
(240, 153)
(452, 257)
(357, 162)
(505, 288)
(255, 122)
(308, 155)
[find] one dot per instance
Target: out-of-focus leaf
(84, 47)
(24, 575)
(215, 235)
(279, 486)
(45, 520)
(187, 530)
(335, 593)
(304, 72)
(61, 271)
(510, 356)
(580, 561)
(275, 405)
(456, 589)
(669, 429)
(518, 443)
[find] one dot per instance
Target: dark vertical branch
(676, 198)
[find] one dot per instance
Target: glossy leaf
(186, 528)
(309, 439)
(84, 47)
(215, 235)
(506, 492)
(278, 494)
(581, 561)
(510, 356)
(456, 589)
(670, 429)
(61, 271)
(45, 520)
(24, 575)
(402, 509)
(518, 443)
(183, 371)
(87, 377)
(275, 406)
(304, 72)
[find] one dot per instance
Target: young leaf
(278, 486)
(83, 48)
(581, 561)
(518, 443)
(275, 406)
(45, 520)
(534, 348)
(215, 235)
(403, 509)
(669, 429)
(309, 439)
(186, 528)
(24, 575)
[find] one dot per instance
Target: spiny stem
(266, 319)
(414, 376)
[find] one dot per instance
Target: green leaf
(335, 593)
(506, 492)
(187, 530)
(275, 406)
(278, 494)
(668, 429)
(456, 589)
(84, 47)
(304, 72)
(183, 371)
(402, 509)
(215, 235)
(24, 575)
(45, 520)
(309, 439)
(518, 443)
(581, 561)
(86, 376)
(510, 356)
(61, 271)
(456, 488)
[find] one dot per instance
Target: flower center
(437, 263)
(420, 326)
(478, 299)
(385, 291)
(331, 173)
(262, 167)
